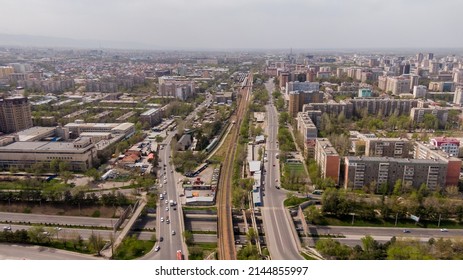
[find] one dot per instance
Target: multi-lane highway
(281, 241)
(56, 219)
(170, 222)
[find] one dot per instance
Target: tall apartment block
(452, 174)
(302, 86)
(388, 147)
(327, 159)
(458, 97)
(450, 146)
(363, 171)
(298, 98)
(442, 114)
(15, 114)
(306, 126)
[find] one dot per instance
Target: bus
(179, 255)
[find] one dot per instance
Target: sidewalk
(290, 128)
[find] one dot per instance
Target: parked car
(406, 231)
(157, 248)
(444, 230)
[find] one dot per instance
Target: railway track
(226, 239)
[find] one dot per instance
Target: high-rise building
(452, 173)
(458, 76)
(387, 147)
(419, 91)
(284, 78)
(430, 56)
(302, 86)
(298, 98)
(448, 145)
(419, 57)
(15, 114)
(365, 92)
(458, 97)
(364, 171)
(327, 159)
(398, 85)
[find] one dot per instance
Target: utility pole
(396, 218)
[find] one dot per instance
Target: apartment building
(427, 151)
(302, 86)
(306, 126)
(450, 146)
(387, 147)
(327, 159)
(152, 116)
(297, 99)
(417, 115)
(15, 114)
(363, 171)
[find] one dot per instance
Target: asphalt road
(171, 242)
(56, 219)
(22, 252)
(280, 239)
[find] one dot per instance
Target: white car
(7, 228)
(167, 208)
(157, 248)
(173, 232)
(166, 202)
(444, 230)
(162, 219)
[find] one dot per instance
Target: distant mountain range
(46, 41)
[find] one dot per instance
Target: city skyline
(254, 24)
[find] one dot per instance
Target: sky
(241, 24)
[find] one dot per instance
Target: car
(172, 171)
(157, 248)
(444, 230)
(166, 202)
(406, 231)
(167, 208)
(180, 195)
(168, 221)
(6, 228)
(276, 180)
(165, 192)
(165, 181)
(274, 164)
(162, 219)
(175, 208)
(277, 187)
(161, 239)
(173, 232)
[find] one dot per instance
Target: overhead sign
(415, 218)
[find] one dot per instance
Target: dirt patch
(63, 209)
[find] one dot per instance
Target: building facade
(15, 114)
(327, 159)
(384, 171)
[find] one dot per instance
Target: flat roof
(26, 134)
(150, 111)
(42, 147)
(254, 165)
(391, 159)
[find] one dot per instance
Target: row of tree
(395, 249)
(430, 206)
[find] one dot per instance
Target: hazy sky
(242, 23)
